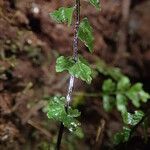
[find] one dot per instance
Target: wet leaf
(132, 119)
(56, 111)
(79, 69)
(85, 34)
(63, 15)
(63, 63)
(95, 3)
(82, 71)
(122, 136)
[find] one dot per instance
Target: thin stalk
(61, 129)
(72, 78)
(87, 94)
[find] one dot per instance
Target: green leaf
(56, 108)
(74, 112)
(63, 63)
(137, 94)
(144, 96)
(101, 67)
(79, 69)
(123, 84)
(85, 34)
(108, 86)
(122, 136)
(69, 120)
(63, 15)
(83, 60)
(56, 111)
(132, 119)
(121, 102)
(114, 72)
(95, 3)
(108, 102)
(79, 133)
(82, 71)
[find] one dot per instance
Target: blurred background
(30, 42)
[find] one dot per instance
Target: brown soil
(29, 45)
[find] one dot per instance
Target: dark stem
(71, 80)
(61, 129)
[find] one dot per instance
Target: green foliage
(79, 69)
(137, 94)
(116, 91)
(129, 119)
(106, 70)
(121, 102)
(108, 102)
(79, 133)
(120, 87)
(120, 90)
(82, 71)
(56, 111)
(108, 86)
(63, 63)
(123, 84)
(95, 3)
(63, 15)
(132, 119)
(122, 136)
(85, 34)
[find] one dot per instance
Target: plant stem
(77, 22)
(71, 80)
(61, 129)
(87, 94)
(75, 50)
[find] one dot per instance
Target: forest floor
(29, 45)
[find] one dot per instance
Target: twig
(39, 127)
(99, 135)
(71, 80)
